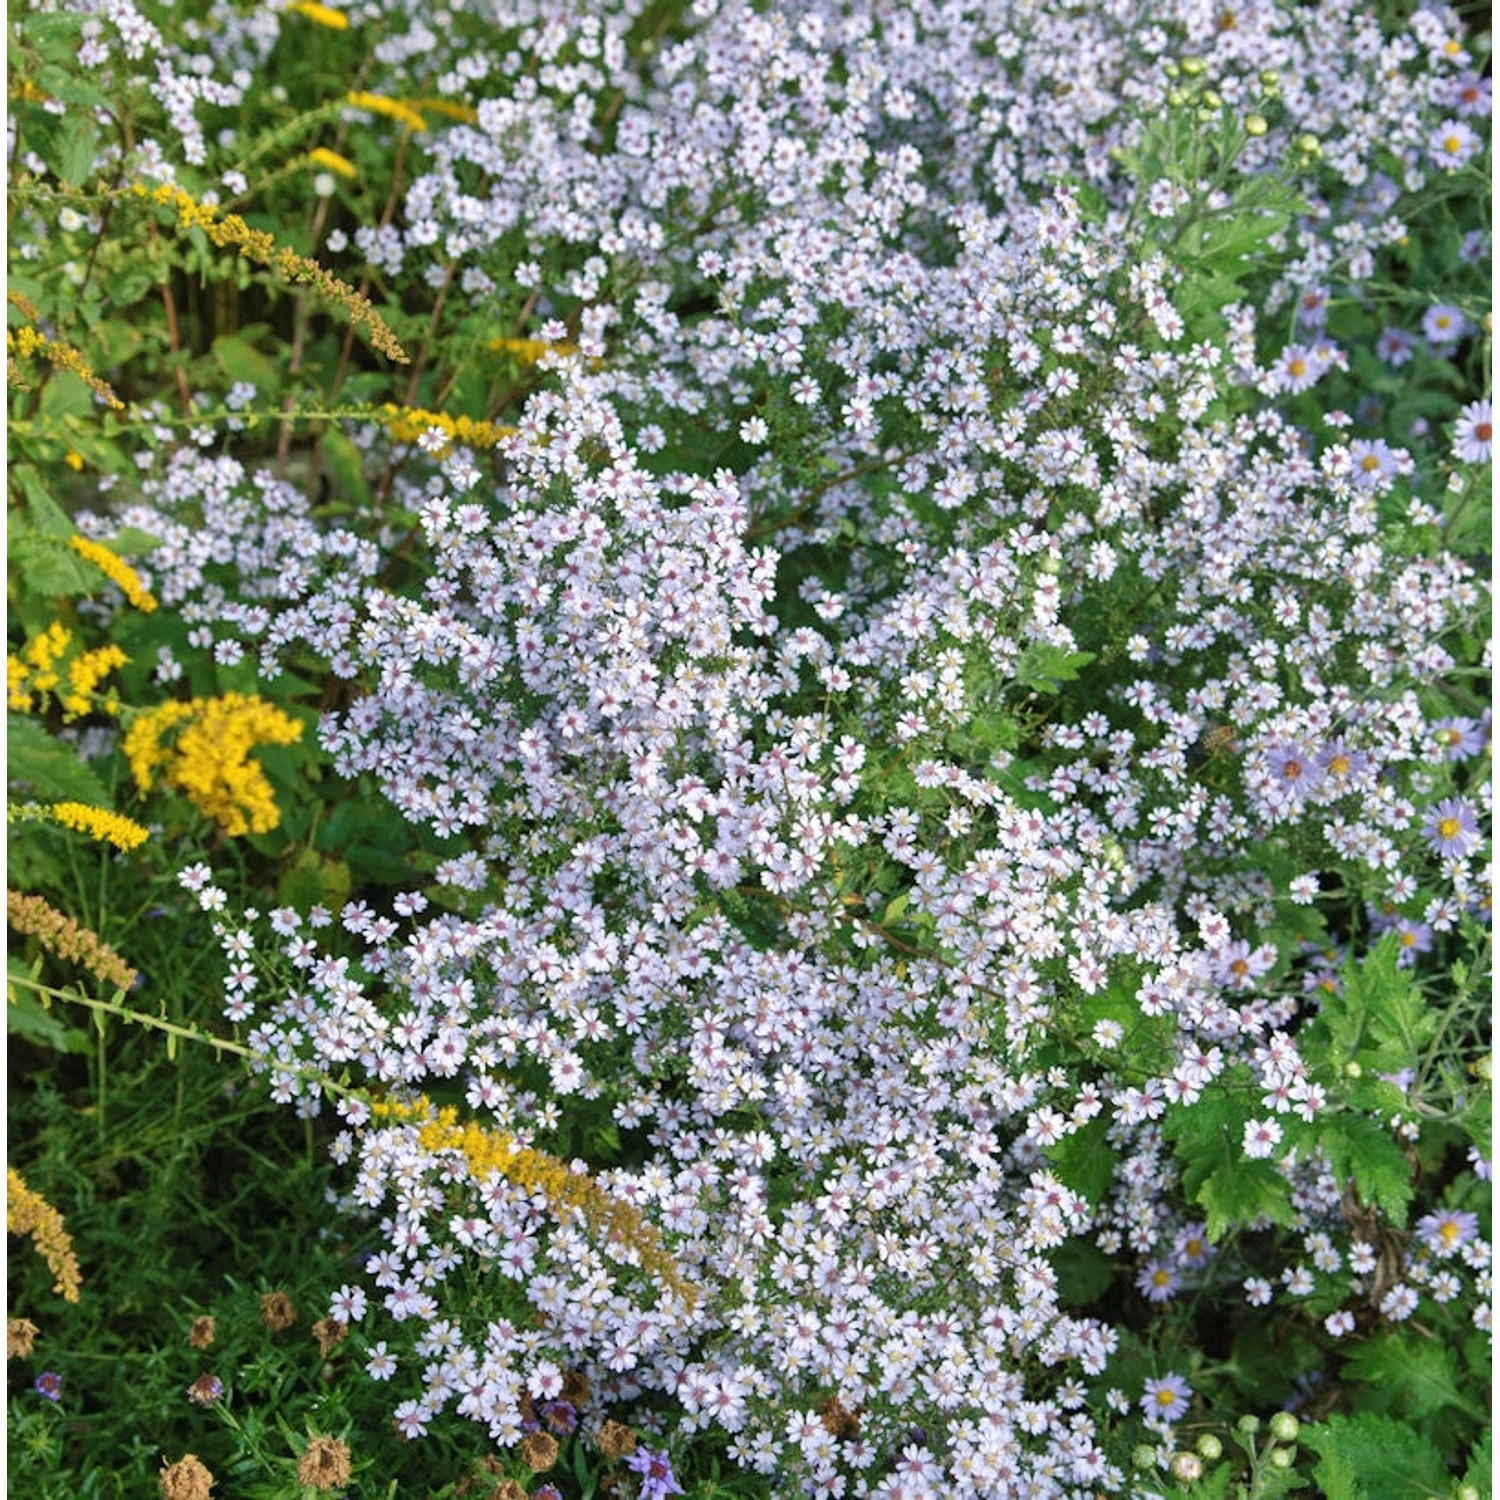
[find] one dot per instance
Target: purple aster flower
(1374, 462)
(1452, 829)
(1445, 1233)
(1342, 765)
(1293, 774)
(1459, 738)
(1472, 95)
(1452, 144)
(547, 1492)
(655, 1469)
(1471, 439)
(560, 1417)
(1166, 1399)
(1395, 346)
(205, 1390)
(1191, 1247)
(1158, 1281)
(1412, 938)
(1480, 1163)
(1444, 324)
(49, 1384)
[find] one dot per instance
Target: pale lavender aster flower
(655, 1469)
(1472, 438)
(1167, 1399)
(1446, 1232)
(1452, 829)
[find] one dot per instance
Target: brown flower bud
(329, 1332)
(538, 1451)
(20, 1335)
(324, 1464)
(616, 1439)
(201, 1334)
(277, 1311)
(187, 1479)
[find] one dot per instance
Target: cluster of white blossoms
(861, 827)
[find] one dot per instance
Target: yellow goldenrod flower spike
(321, 156)
(408, 423)
(99, 823)
(463, 113)
(231, 232)
(323, 15)
(85, 673)
(116, 569)
(28, 342)
(29, 1214)
(530, 350)
(208, 761)
(568, 1192)
(394, 109)
(67, 939)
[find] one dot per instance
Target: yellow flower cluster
(568, 1192)
(392, 109)
(408, 423)
(463, 113)
(116, 569)
(231, 232)
(39, 669)
(321, 156)
(201, 748)
(31, 916)
(28, 1213)
(102, 824)
(323, 15)
(528, 351)
(28, 342)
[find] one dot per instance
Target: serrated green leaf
(1045, 667)
(78, 150)
(1084, 1161)
(1360, 1148)
(1412, 1377)
(1237, 1196)
(1387, 1459)
(48, 767)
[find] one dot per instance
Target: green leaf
(1359, 1147)
(26, 1016)
(1045, 668)
(1409, 1376)
(1084, 1161)
(1239, 1194)
(51, 769)
(76, 156)
(237, 356)
(1376, 1458)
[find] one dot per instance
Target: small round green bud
(1485, 1067)
(1269, 77)
(1206, 116)
(1353, 1070)
(1256, 125)
(1285, 1427)
(1209, 1447)
(1281, 1458)
(1171, 69)
(1213, 98)
(1467, 1492)
(1309, 145)
(1144, 1457)
(1249, 1424)
(1176, 98)
(1193, 66)
(1187, 1467)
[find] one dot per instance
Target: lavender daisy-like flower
(48, 1384)
(1395, 346)
(1459, 738)
(1471, 439)
(1446, 1232)
(205, 1390)
(1167, 1399)
(1158, 1281)
(1452, 829)
(1191, 1247)
(1444, 324)
(655, 1469)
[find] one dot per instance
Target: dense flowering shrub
(945, 799)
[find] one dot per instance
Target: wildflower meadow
(749, 749)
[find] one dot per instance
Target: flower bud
(1249, 1424)
(1193, 66)
(1187, 1467)
(1209, 1447)
(1256, 125)
(1284, 1427)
